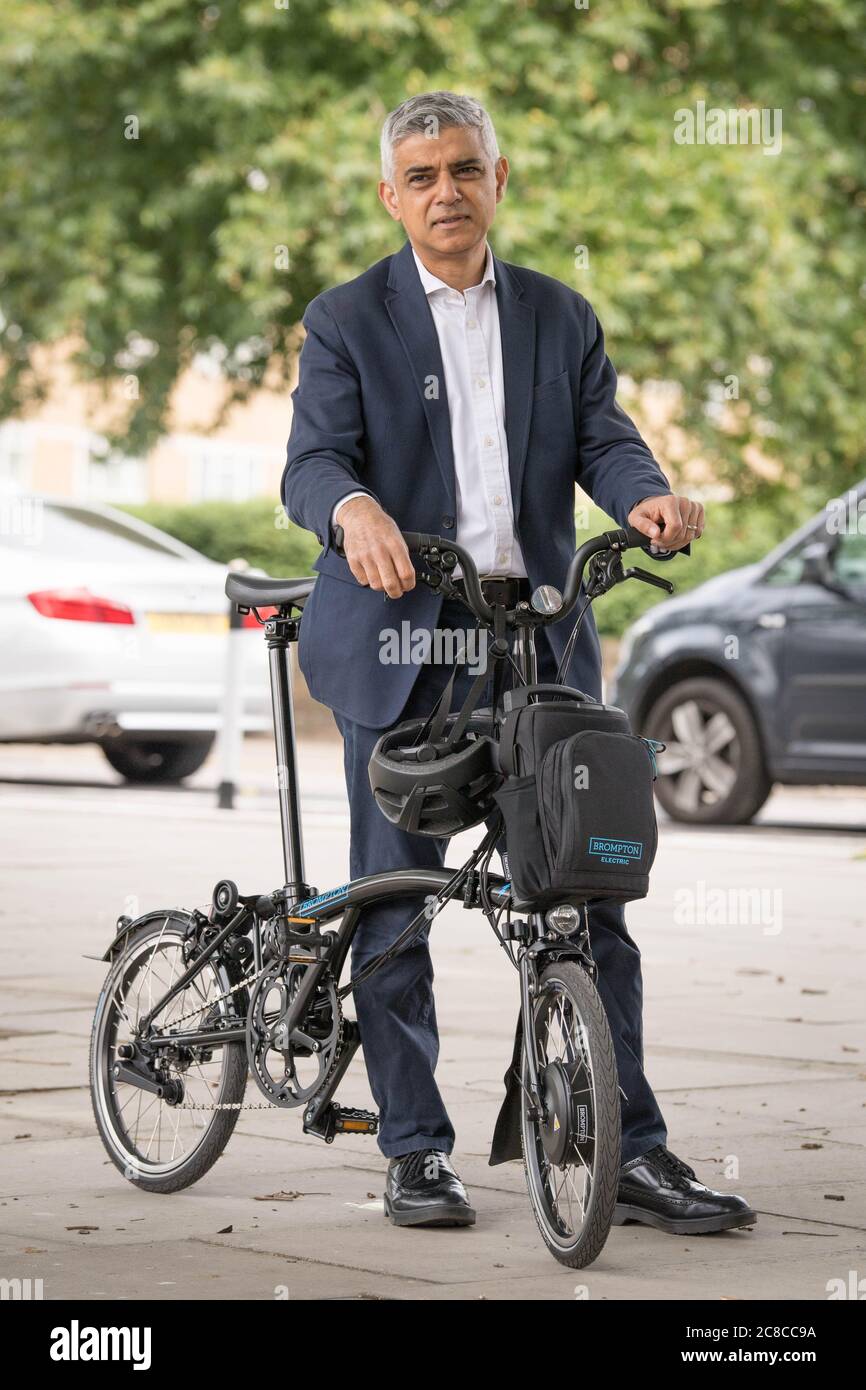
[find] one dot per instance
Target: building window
(228, 473)
(113, 477)
(15, 457)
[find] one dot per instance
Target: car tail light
(79, 605)
(249, 619)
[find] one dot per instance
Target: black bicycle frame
(327, 951)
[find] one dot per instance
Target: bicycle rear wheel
(572, 1157)
(158, 1145)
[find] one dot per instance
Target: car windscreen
(77, 533)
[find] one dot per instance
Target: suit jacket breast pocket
(556, 384)
(552, 425)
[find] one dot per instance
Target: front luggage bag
(583, 826)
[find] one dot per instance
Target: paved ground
(755, 1043)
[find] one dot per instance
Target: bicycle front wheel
(572, 1155)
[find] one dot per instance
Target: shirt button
(447, 522)
(471, 323)
(497, 501)
(488, 442)
(502, 557)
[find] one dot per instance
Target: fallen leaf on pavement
(289, 1196)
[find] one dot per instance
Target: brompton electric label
(615, 851)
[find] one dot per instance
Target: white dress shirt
(467, 326)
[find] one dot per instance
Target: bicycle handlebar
(625, 538)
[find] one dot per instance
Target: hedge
(736, 534)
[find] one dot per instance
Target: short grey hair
(426, 115)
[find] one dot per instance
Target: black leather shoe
(422, 1189)
(660, 1190)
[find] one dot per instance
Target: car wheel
(158, 760)
(712, 770)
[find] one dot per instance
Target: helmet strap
(499, 651)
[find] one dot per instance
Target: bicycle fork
(528, 994)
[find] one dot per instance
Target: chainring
(290, 1072)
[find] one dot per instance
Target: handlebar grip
(414, 540)
(634, 537)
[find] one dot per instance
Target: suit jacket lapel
(517, 328)
(412, 318)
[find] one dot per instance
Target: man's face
(445, 190)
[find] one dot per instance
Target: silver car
(115, 633)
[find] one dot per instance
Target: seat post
(281, 631)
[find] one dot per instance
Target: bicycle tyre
(174, 1175)
(583, 1247)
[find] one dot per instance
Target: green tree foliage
(257, 129)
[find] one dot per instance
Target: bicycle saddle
(262, 591)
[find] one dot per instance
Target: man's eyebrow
(455, 164)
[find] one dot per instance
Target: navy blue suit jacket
(371, 413)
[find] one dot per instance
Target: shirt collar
(432, 282)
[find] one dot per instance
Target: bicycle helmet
(431, 788)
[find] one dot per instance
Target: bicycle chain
(264, 1104)
(239, 1104)
(210, 1003)
(218, 1105)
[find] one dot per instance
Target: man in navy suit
(449, 392)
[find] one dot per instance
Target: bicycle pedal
(342, 1119)
(354, 1121)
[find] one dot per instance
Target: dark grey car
(759, 675)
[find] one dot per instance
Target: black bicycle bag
(577, 800)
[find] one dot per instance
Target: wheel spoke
(688, 723)
(562, 1192)
(717, 776)
(160, 1136)
(719, 732)
(570, 1180)
(689, 790)
(674, 759)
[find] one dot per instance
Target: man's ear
(501, 172)
(388, 199)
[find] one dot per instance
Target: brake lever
(648, 578)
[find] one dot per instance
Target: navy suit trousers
(395, 1008)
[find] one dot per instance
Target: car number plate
(187, 622)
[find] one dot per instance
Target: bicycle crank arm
(319, 1103)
